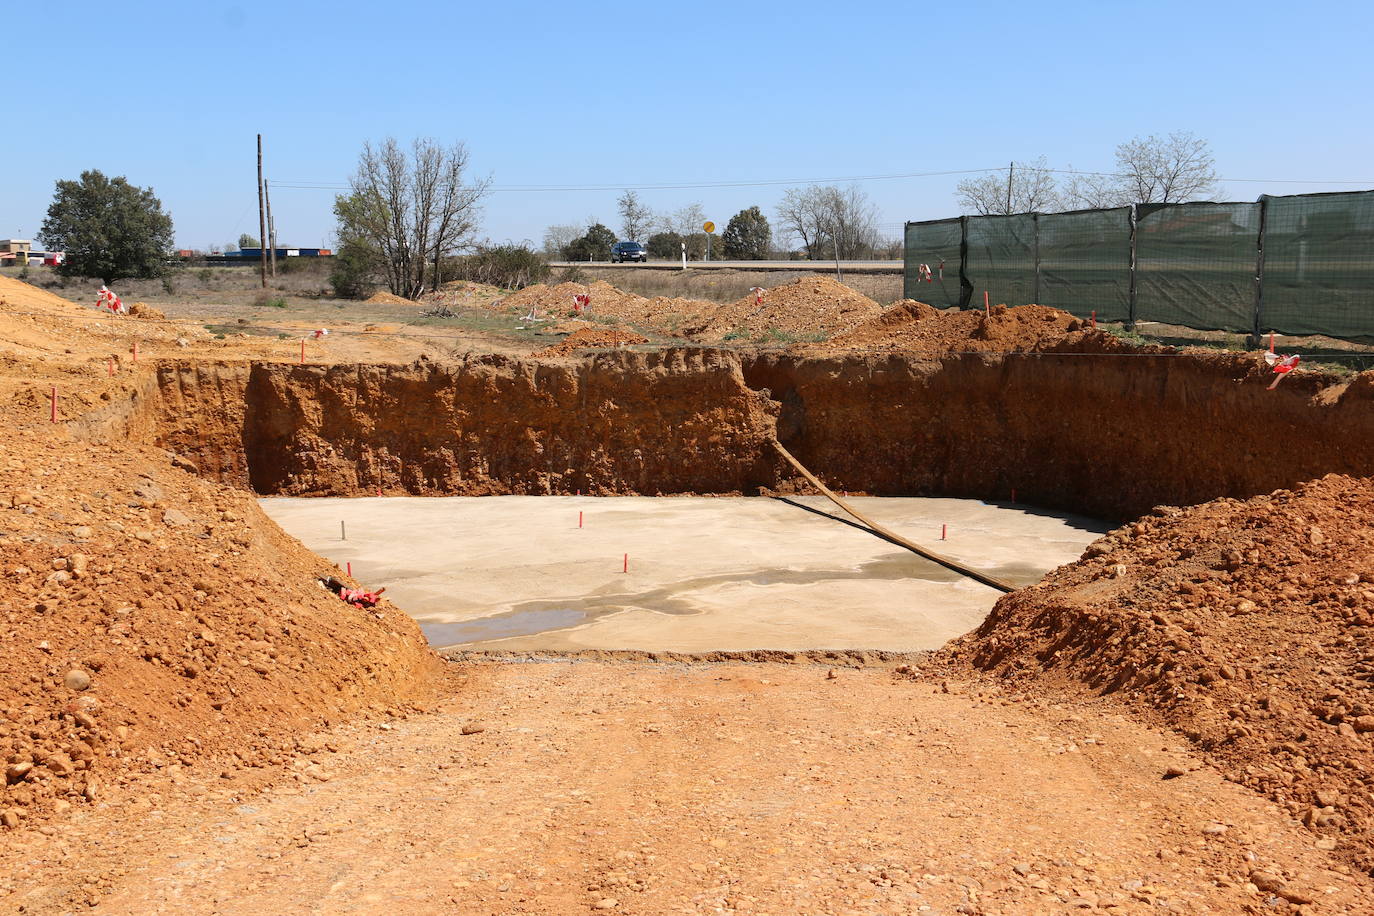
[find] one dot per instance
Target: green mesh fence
(1000, 258)
(937, 244)
(1195, 264)
(1319, 265)
(1085, 262)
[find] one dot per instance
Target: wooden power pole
(262, 217)
(271, 229)
(1011, 169)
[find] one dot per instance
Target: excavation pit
(704, 574)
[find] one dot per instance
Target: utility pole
(271, 229)
(262, 217)
(1011, 167)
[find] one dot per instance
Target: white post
(684, 255)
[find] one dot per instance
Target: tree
(594, 246)
(1151, 170)
(635, 218)
(685, 221)
(249, 241)
(664, 245)
(747, 236)
(1170, 170)
(108, 228)
(230, 246)
(412, 211)
(357, 267)
(557, 238)
(830, 221)
(1023, 188)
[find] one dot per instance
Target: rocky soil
(1245, 625)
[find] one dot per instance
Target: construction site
(796, 603)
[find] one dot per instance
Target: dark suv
(628, 251)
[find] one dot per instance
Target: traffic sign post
(710, 227)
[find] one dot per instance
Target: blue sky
(171, 95)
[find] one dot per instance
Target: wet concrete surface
(516, 572)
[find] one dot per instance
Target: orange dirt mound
(1247, 625)
(144, 310)
(915, 326)
(813, 306)
(592, 338)
(385, 298)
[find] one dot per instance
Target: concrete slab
(516, 572)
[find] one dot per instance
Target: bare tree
(830, 221)
(412, 211)
(635, 218)
(1026, 187)
(1152, 170)
(557, 238)
(1166, 170)
(685, 221)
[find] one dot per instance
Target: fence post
(1035, 244)
(1131, 220)
(965, 284)
(1257, 331)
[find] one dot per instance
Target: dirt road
(712, 788)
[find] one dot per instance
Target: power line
(310, 184)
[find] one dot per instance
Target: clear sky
(630, 94)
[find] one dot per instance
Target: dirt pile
(914, 326)
(159, 621)
(1248, 626)
(812, 307)
(592, 339)
(144, 310)
(385, 298)
(606, 300)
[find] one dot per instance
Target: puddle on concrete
(501, 626)
(531, 618)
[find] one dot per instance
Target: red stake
(1094, 319)
(135, 351)
(626, 567)
(379, 491)
(54, 403)
(1271, 341)
(350, 570)
(112, 367)
(987, 309)
(579, 519)
(944, 529)
(302, 349)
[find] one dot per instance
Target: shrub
(268, 300)
(506, 266)
(356, 269)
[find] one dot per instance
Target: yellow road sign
(709, 226)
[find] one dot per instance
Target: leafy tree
(229, 246)
(249, 241)
(412, 210)
(594, 246)
(357, 270)
(747, 236)
(664, 245)
(1023, 188)
(109, 228)
(635, 218)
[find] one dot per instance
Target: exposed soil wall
(1109, 435)
(1106, 435)
(679, 420)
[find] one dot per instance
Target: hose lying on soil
(892, 536)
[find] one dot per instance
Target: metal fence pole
(1035, 237)
(965, 285)
(1256, 333)
(1131, 220)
